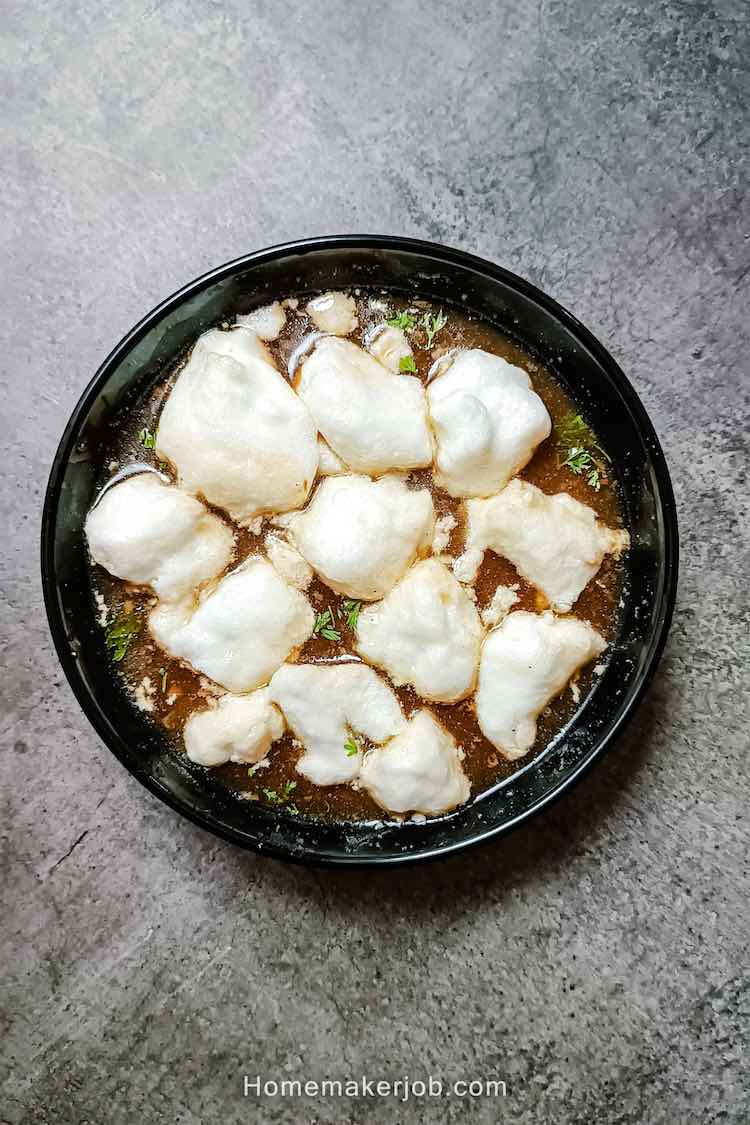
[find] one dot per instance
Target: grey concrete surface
(597, 961)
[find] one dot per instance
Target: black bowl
(450, 277)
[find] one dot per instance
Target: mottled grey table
(597, 960)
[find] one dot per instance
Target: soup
(459, 634)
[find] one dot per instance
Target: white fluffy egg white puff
(390, 347)
(418, 770)
(526, 661)
(236, 431)
(373, 419)
(327, 707)
(334, 313)
(555, 542)
(241, 631)
(267, 322)
(238, 728)
(426, 632)
(150, 533)
(488, 421)
(361, 535)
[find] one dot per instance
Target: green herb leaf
(120, 633)
(321, 620)
(406, 363)
(147, 439)
(324, 626)
(404, 320)
(578, 449)
(572, 430)
(351, 746)
(352, 610)
(281, 799)
(578, 459)
(432, 324)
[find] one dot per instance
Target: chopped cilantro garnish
(406, 363)
(578, 450)
(120, 633)
(571, 430)
(324, 626)
(432, 324)
(147, 439)
(351, 746)
(577, 460)
(352, 610)
(282, 798)
(403, 320)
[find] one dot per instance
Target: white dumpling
(488, 420)
(426, 632)
(266, 322)
(361, 535)
(240, 728)
(236, 431)
(325, 705)
(417, 771)
(333, 312)
(500, 605)
(241, 631)
(288, 561)
(150, 533)
(389, 345)
(329, 463)
(525, 663)
(374, 420)
(443, 527)
(555, 542)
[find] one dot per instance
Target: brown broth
(173, 690)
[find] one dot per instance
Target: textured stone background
(598, 959)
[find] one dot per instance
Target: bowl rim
(441, 253)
